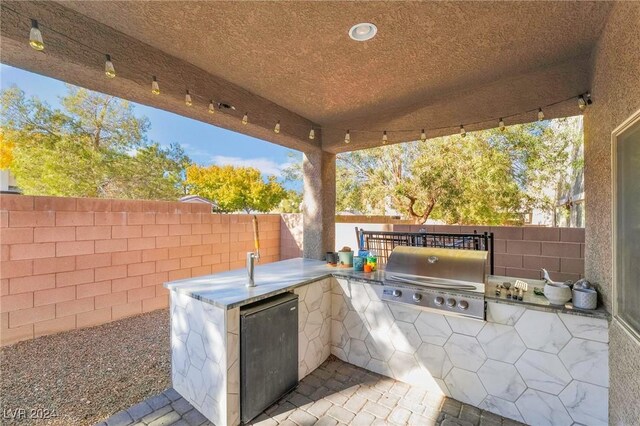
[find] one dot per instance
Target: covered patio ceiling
(432, 65)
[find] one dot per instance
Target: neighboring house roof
(197, 199)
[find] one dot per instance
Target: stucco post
(319, 206)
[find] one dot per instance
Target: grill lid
(438, 265)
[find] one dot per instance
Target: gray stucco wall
(616, 92)
(319, 206)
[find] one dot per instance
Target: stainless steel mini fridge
(268, 353)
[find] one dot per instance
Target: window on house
(626, 144)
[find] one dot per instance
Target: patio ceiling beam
(73, 54)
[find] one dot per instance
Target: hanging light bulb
(501, 124)
(312, 134)
(35, 36)
(588, 98)
(277, 128)
(423, 136)
(463, 132)
(109, 70)
(582, 104)
(155, 87)
(347, 137)
(187, 99)
(540, 114)
(212, 107)
(384, 138)
(245, 118)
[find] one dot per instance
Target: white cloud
(265, 165)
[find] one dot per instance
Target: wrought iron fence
(382, 243)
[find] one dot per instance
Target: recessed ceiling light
(363, 32)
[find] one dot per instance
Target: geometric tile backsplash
(533, 366)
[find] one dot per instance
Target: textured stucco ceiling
(432, 64)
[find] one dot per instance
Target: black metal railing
(382, 243)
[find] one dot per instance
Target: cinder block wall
(521, 251)
(69, 263)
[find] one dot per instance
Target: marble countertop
(228, 289)
(531, 299)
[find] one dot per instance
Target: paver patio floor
(337, 393)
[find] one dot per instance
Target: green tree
(291, 202)
(488, 177)
(94, 146)
(235, 188)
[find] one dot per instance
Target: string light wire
(206, 100)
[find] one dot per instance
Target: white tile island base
(536, 367)
(529, 365)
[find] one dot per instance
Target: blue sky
(204, 143)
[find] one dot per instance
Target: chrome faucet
(252, 257)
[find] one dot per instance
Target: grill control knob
(451, 302)
(417, 297)
(396, 293)
(439, 300)
(464, 305)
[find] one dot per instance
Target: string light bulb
(277, 128)
(187, 99)
(588, 98)
(347, 137)
(582, 104)
(155, 87)
(35, 36)
(312, 134)
(501, 124)
(385, 139)
(245, 118)
(540, 114)
(463, 132)
(212, 107)
(423, 136)
(109, 70)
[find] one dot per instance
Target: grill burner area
(448, 281)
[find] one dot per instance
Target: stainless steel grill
(449, 281)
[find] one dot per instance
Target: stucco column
(319, 206)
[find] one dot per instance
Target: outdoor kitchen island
(529, 362)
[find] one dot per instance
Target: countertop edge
(251, 299)
(599, 313)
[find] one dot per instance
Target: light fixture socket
(187, 99)
(109, 70)
(312, 134)
(276, 129)
(582, 103)
(35, 36)
(347, 137)
(212, 107)
(155, 87)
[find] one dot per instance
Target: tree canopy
(488, 177)
(94, 146)
(235, 188)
